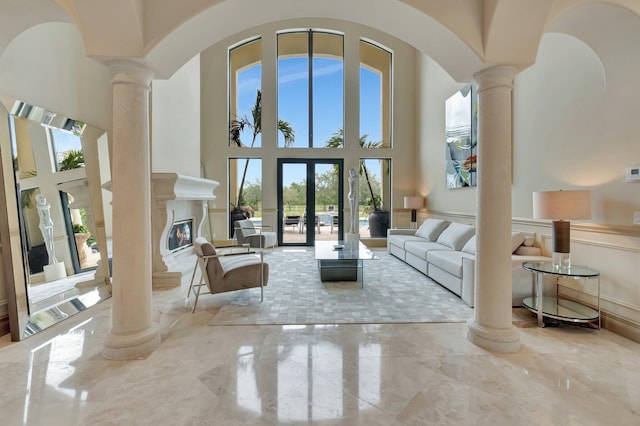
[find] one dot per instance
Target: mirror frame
(22, 322)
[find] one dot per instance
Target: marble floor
(348, 374)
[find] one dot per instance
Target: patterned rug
(393, 293)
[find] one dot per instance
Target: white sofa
(445, 251)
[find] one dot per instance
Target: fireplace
(180, 235)
(179, 212)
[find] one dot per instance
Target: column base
(54, 272)
(493, 339)
(131, 346)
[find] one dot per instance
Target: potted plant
(81, 234)
(379, 219)
(238, 209)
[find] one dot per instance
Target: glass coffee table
(342, 260)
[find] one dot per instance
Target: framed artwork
(461, 135)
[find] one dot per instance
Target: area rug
(393, 293)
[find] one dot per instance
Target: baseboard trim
(4, 325)
(621, 326)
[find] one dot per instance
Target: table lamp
(562, 206)
(413, 203)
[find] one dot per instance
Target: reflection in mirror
(58, 217)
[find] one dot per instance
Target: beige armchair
(247, 233)
(230, 271)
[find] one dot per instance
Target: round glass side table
(558, 308)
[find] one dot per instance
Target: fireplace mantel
(172, 186)
(176, 197)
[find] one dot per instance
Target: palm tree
(337, 141)
(238, 125)
(72, 160)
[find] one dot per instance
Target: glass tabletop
(338, 250)
(550, 268)
(562, 309)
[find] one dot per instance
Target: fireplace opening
(180, 235)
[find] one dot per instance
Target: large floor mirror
(55, 231)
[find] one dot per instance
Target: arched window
(311, 86)
(245, 85)
(375, 96)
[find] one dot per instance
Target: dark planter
(38, 257)
(235, 215)
(379, 221)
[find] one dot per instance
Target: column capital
(496, 76)
(128, 71)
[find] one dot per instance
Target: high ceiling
(463, 36)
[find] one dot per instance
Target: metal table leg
(539, 295)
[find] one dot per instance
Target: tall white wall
(175, 122)
(46, 66)
(575, 126)
(434, 87)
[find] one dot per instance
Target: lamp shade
(562, 205)
(413, 202)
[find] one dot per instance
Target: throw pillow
(470, 247)
(529, 242)
(517, 238)
(456, 235)
(528, 251)
(431, 229)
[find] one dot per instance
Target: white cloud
(317, 72)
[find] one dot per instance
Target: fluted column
(491, 326)
(132, 333)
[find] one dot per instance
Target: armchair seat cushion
(233, 262)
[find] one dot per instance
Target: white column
(96, 224)
(132, 333)
(491, 327)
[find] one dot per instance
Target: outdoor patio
(296, 233)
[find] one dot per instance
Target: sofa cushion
(400, 240)
(448, 261)
(470, 246)
(431, 229)
(517, 238)
(456, 235)
(421, 248)
(518, 242)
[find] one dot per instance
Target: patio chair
(223, 272)
(293, 221)
(335, 221)
(247, 233)
(304, 223)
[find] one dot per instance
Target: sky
(328, 104)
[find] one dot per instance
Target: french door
(310, 200)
